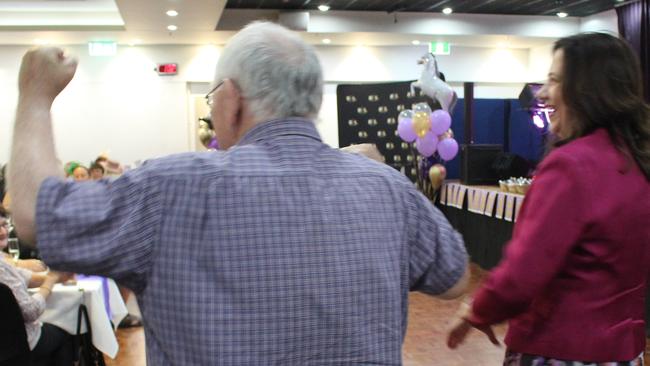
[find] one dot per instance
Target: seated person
(76, 171)
(80, 173)
(96, 171)
(49, 345)
(111, 167)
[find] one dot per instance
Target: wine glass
(13, 248)
(9, 225)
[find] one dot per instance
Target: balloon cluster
(429, 129)
(435, 172)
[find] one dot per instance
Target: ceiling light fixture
(323, 7)
(562, 14)
(172, 13)
(447, 11)
(415, 42)
(172, 27)
(327, 41)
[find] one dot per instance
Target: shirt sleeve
(437, 255)
(31, 306)
(105, 227)
(551, 220)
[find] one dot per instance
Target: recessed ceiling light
(562, 14)
(415, 42)
(172, 27)
(327, 41)
(447, 11)
(323, 7)
(172, 13)
(41, 42)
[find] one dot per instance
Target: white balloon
(422, 108)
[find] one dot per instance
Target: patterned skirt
(521, 359)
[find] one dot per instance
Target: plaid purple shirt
(279, 251)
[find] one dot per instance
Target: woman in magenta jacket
(572, 282)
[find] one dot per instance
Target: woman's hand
(61, 277)
(53, 277)
(463, 325)
(67, 277)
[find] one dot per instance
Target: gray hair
(276, 71)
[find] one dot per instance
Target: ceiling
(353, 22)
(579, 8)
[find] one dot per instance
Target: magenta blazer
(573, 277)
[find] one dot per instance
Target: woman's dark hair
(3, 211)
(602, 88)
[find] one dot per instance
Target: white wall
(440, 24)
(119, 105)
(116, 104)
(606, 21)
(347, 64)
(540, 62)
(539, 57)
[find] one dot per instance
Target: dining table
(103, 302)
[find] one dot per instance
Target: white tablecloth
(63, 306)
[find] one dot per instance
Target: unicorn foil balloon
(431, 84)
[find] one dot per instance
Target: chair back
(14, 348)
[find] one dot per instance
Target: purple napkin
(107, 302)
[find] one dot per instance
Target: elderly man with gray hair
(274, 250)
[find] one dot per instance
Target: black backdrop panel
(367, 113)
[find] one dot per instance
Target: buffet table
(484, 215)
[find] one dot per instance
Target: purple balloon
(405, 130)
(427, 144)
(440, 121)
(447, 148)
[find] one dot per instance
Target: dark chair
(14, 349)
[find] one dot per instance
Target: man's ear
(232, 103)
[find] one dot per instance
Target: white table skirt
(63, 306)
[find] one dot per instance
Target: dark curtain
(634, 26)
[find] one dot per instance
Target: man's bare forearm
(33, 158)
(44, 73)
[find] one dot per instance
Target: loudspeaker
(511, 165)
(476, 163)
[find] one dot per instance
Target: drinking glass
(13, 248)
(10, 225)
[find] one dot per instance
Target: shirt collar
(280, 127)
